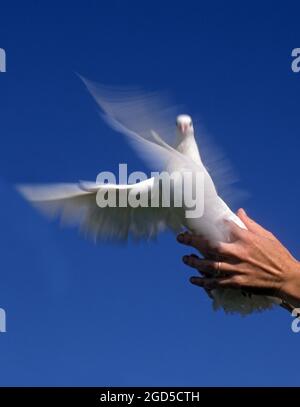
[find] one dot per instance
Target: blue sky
(80, 314)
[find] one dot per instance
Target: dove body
(215, 210)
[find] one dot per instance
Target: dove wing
(75, 204)
(140, 117)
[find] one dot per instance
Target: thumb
(253, 226)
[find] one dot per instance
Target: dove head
(184, 125)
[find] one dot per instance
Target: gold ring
(218, 269)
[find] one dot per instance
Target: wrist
(290, 289)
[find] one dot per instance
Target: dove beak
(183, 128)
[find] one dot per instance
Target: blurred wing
(143, 116)
(138, 115)
(77, 205)
(220, 168)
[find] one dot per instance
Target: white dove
(143, 121)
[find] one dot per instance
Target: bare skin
(255, 261)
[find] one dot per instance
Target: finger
(201, 282)
(200, 271)
(221, 282)
(190, 259)
(198, 242)
(207, 290)
(207, 283)
(253, 226)
(208, 266)
(208, 249)
(194, 261)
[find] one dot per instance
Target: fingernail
(193, 280)
(243, 211)
(180, 238)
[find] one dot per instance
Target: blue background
(80, 314)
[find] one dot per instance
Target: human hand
(255, 261)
